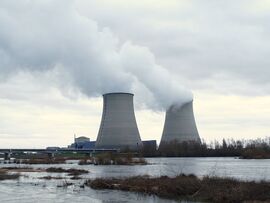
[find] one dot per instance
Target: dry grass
(86, 161)
(255, 154)
(189, 187)
(4, 175)
(71, 172)
(42, 161)
(118, 159)
(22, 169)
(51, 178)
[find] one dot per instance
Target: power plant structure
(118, 128)
(180, 124)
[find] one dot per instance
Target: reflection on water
(43, 193)
(251, 169)
(32, 189)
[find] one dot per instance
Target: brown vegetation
(86, 161)
(22, 169)
(51, 178)
(189, 187)
(71, 171)
(99, 159)
(255, 153)
(75, 177)
(4, 175)
(118, 159)
(41, 161)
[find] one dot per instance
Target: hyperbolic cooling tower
(118, 128)
(180, 124)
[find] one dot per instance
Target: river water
(29, 188)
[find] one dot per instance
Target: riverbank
(98, 159)
(189, 187)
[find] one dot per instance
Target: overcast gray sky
(58, 57)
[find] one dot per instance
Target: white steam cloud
(39, 36)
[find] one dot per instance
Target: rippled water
(30, 188)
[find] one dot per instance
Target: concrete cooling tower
(118, 128)
(180, 124)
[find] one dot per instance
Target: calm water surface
(30, 188)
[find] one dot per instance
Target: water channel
(29, 188)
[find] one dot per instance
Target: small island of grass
(189, 187)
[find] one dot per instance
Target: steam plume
(39, 36)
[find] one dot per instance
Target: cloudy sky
(58, 57)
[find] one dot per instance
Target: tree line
(258, 148)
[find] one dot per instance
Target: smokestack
(118, 128)
(180, 124)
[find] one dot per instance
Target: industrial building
(82, 143)
(81, 139)
(150, 144)
(180, 124)
(149, 148)
(118, 128)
